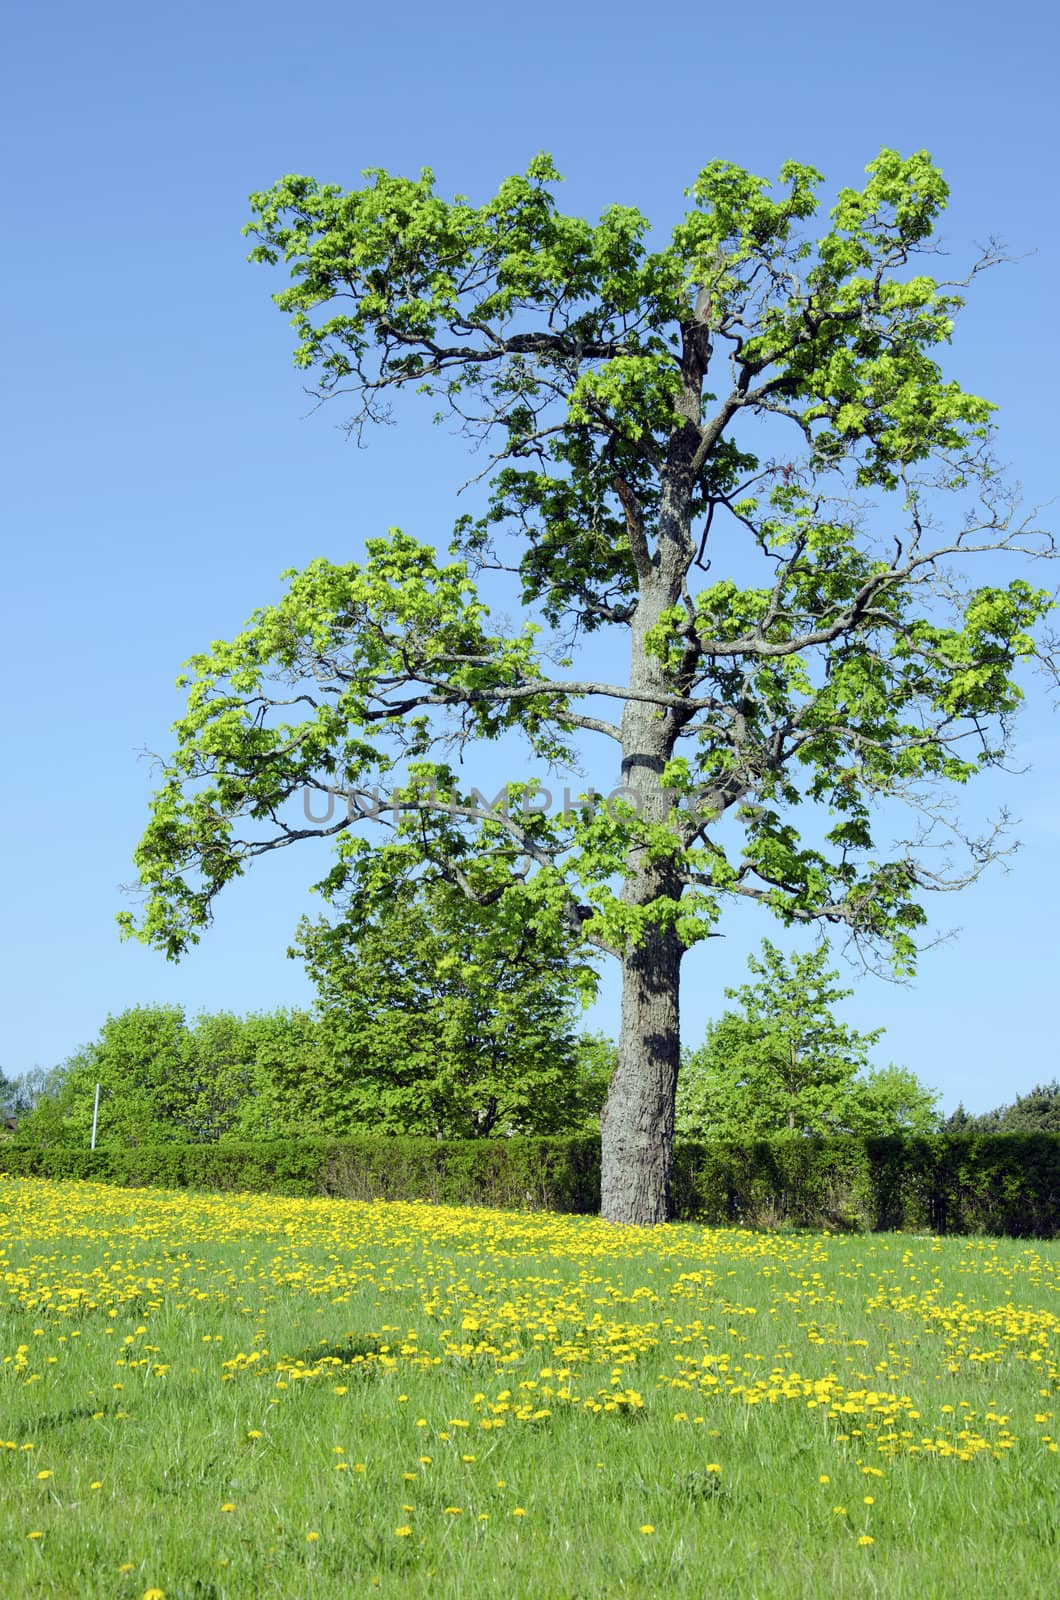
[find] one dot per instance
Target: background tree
(1037, 1111)
(162, 1079)
(138, 1062)
(442, 1016)
(891, 1099)
(20, 1094)
(395, 1067)
(803, 632)
(785, 1062)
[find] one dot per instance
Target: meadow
(209, 1397)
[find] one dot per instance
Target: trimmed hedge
(1006, 1183)
(543, 1174)
(1001, 1184)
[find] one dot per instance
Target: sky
(163, 464)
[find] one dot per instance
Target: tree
(783, 1062)
(138, 1062)
(21, 1094)
(440, 1016)
(162, 1079)
(397, 1068)
(892, 1100)
(1037, 1111)
(806, 643)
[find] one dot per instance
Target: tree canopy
(442, 1016)
(168, 1078)
(1037, 1111)
(784, 1062)
(736, 450)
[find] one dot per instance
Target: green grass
(385, 1336)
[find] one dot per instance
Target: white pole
(95, 1119)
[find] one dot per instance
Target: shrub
(1006, 1183)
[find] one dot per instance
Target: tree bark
(637, 1127)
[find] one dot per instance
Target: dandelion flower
(646, 1527)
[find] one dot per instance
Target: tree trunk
(637, 1127)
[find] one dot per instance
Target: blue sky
(163, 466)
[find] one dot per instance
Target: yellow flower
(35, 1535)
(646, 1527)
(824, 1478)
(840, 1511)
(518, 1511)
(868, 1500)
(713, 1466)
(312, 1537)
(866, 1538)
(154, 1594)
(403, 1533)
(45, 1474)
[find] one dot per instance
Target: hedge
(999, 1183)
(552, 1174)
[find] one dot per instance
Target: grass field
(208, 1397)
